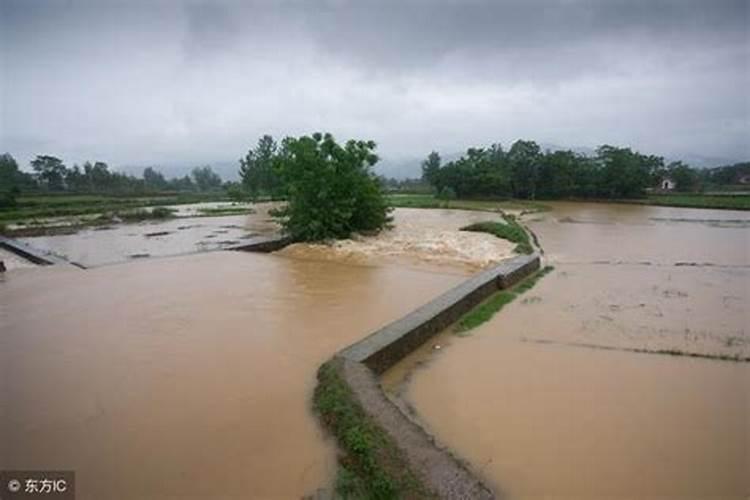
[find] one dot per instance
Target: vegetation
(510, 230)
(331, 191)
(372, 466)
(487, 309)
(525, 172)
(51, 175)
(431, 201)
(241, 210)
(158, 213)
(68, 205)
(260, 169)
(724, 201)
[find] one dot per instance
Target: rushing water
(540, 409)
(426, 239)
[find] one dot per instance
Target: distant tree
(11, 180)
(75, 180)
(624, 173)
(182, 184)
(431, 168)
(684, 177)
(154, 180)
(332, 191)
(259, 169)
(524, 158)
(50, 171)
(206, 179)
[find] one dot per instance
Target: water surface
(539, 411)
(186, 377)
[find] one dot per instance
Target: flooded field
(186, 234)
(191, 376)
(548, 399)
(186, 377)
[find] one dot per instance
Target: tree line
(51, 175)
(525, 171)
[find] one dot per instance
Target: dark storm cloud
(199, 81)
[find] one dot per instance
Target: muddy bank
(141, 375)
(537, 413)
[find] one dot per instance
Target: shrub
(332, 191)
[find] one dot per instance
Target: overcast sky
(189, 82)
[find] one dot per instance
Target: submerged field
(204, 365)
(586, 386)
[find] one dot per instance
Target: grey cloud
(188, 82)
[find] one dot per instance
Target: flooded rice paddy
(190, 376)
(188, 233)
(185, 377)
(549, 399)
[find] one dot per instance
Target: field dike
(387, 454)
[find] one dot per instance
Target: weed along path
(588, 384)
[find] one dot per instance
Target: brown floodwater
(185, 234)
(420, 238)
(185, 377)
(540, 410)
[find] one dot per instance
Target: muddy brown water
(185, 377)
(188, 233)
(538, 413)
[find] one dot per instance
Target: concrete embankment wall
(263, 244)
(390, 344)
(440, 472)
(30, 253)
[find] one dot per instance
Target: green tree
(332, 191)
(524, 158)
(11, 180)
(684, 177)
(259, 169)
(154, 180)
(206, 179)
(431, 168)
(50, 171)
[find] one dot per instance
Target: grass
(225, 211)
(727, 201)
(430, 201)
(372, 466)
(687, 200)
(511, 230)
(158, 213)
(65, 205)
(487, 309)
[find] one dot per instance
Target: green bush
(510, 230)
(332, 191)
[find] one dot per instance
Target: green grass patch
(158, 213)
(215, 211)
(64, 205)
(372, 466)
(728, 201)
(487, 309)
(511, 230)
(430, 201)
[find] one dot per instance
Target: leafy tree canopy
(331, 190)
